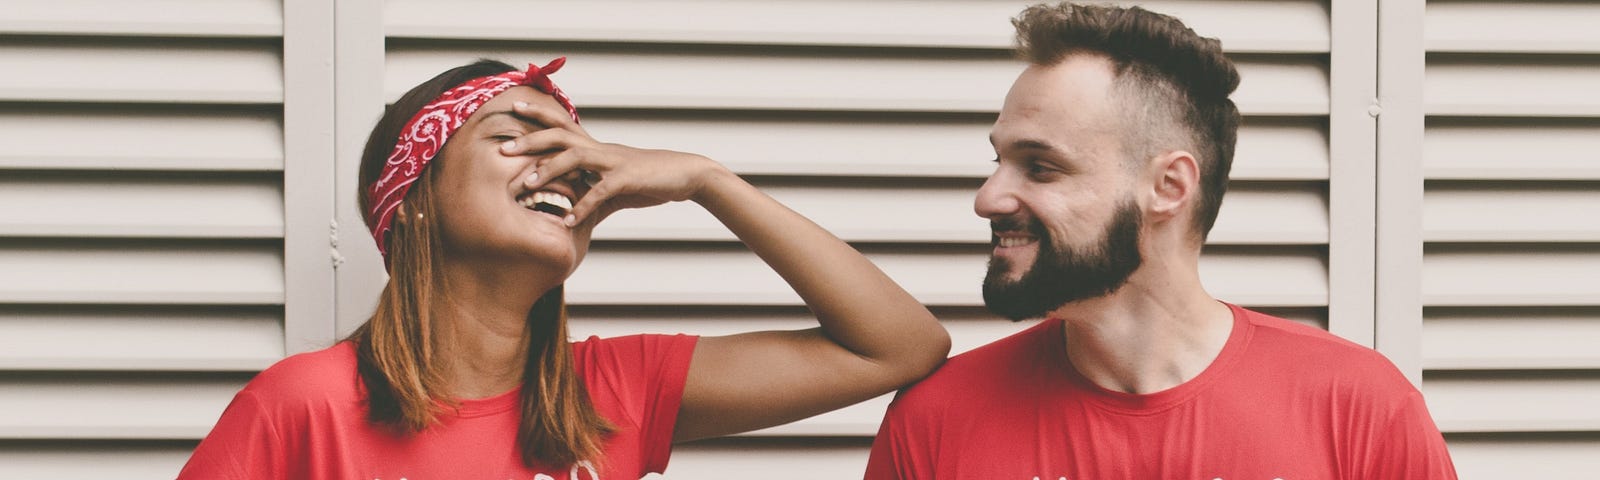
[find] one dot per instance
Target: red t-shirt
(305, 419)
(1281, 401)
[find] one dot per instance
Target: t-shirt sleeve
(1410, 446)
(893, 453)
(245, 444)
(648, 372)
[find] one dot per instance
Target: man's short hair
(1180, 80)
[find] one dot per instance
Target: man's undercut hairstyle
(1176, 84)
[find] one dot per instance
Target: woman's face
(486, 216)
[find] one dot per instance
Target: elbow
(927, 354)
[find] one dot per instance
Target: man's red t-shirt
(1281, 401)
(305, 418)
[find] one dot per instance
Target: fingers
(543, 141)
(591, 202)
(553, 117)
(573, 165)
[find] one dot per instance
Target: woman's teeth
(548, 202)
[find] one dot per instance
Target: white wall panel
(53, 337)
(1511, 212)
(1510, 234)
(184, 71)
(93, 460)
(1478, 275)
(1512, 149)
(1524, 456)
(103, 406)
(210, 18)
(151, 138)
(1242, 25)
(64, 271)
(123, 205)
(1520, 26)
(1511, 338)
(1514, 401)
(1511, 85)
(846, 80)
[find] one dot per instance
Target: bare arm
(873, 336)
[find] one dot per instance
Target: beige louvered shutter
(1510, 339)
(142, 228)
(870, 118)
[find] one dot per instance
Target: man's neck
(1156, 332)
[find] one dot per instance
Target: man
(1113, 149)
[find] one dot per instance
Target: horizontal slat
(769, 458)
(103, 138)
(139, 338)
(657, 274)
(78, 460)
(1269, 148)
(112, 205)
(1536, 455)
(1511, 275)
(1241, 25)
(142, 70)
(1481, 85)
(882, 211)
(1502, 338)
(1503, 148)
(134, 272)
(1513, 401)
(113, 405)
(1518, 26)
(789, 80)
(1272, 214)
(185, 18)
(1511, 212)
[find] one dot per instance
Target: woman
(482, 191)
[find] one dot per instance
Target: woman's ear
(1177, 183)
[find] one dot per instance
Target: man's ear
(1177, 183)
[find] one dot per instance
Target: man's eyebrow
(1029, 144)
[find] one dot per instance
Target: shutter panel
(871, 118)
(141, 227)
(1510, 287)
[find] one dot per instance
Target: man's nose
(997, 196)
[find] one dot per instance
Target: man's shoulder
(1313, 352)
(987, 370)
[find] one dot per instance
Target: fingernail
(532, 179)
(509, 146)
(571, 220)
(520, 104)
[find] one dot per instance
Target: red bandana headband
(424, 136)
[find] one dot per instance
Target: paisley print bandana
(424, 135)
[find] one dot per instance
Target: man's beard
(1061, 275)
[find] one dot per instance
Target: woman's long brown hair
(396, 353)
